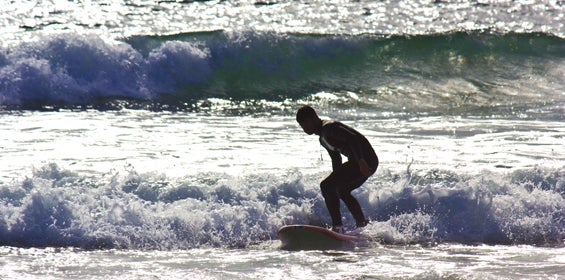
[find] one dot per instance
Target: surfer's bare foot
(362, 224)
(338, 229)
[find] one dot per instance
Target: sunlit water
(412, 262)
(148, 139)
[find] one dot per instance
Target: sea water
(146, 139)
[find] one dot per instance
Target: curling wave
(455, 71)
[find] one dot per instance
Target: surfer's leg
(351, 178)
(331, 198)
(356, 179)
(351, 202)
(340, 179)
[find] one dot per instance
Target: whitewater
(157, 140)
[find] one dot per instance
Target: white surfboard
(307, 237)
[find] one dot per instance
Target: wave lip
(69, 69)
(146, 211)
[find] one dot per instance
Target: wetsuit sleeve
(336, 159)
(344, 135)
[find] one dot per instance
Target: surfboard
(308, 237)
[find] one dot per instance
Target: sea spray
(57, 207)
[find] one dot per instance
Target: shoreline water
(383, 262)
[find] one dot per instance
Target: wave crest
(458, 71)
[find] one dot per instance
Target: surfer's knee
(344, 194)
(327, 188)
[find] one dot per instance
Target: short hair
(304, 113)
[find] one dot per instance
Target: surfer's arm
(336, 158)
(343, 134)
(351, 138)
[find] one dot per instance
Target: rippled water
(330, 17)
(156, 139)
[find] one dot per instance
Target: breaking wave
(456, 71)
(56, 207)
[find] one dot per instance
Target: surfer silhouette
(339, 139)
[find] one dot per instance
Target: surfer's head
(308, 119)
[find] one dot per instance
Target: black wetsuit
(340, 139)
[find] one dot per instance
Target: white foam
(61, 208)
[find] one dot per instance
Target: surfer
(339, 139)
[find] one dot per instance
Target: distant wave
(427, 72)
(57, 207)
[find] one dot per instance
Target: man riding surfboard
(339, 139)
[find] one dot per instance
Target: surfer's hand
(364, 168)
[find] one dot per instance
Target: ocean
(157, 139)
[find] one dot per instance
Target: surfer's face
(308, 126)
